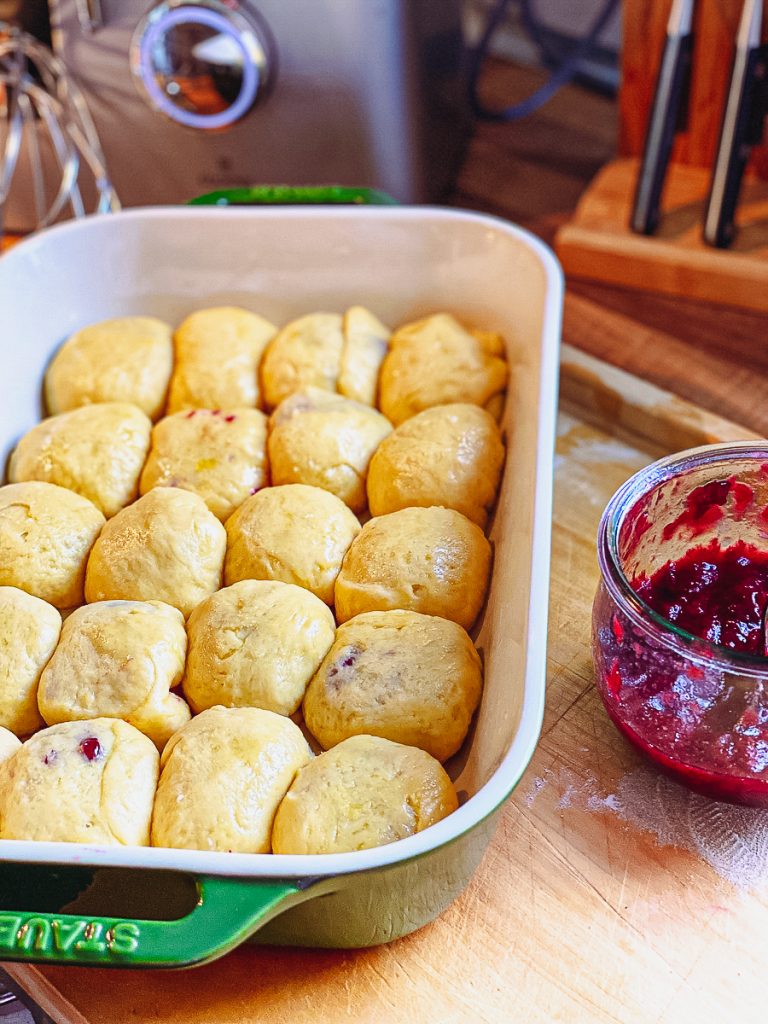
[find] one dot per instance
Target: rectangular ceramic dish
(401, 263)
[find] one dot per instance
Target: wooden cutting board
(576, 913)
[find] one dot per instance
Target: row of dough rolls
(168, 547)
(227, 357)
(110, 453)
(236, 780)
(407, 676)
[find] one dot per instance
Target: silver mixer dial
(203, 64)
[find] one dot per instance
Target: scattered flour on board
(608, 450)
(584, 452)
(732, 840)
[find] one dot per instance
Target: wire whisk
(41, 106)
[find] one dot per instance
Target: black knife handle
(740, 130)
(667, 113)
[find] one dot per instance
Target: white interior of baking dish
(402, 263)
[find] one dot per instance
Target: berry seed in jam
(91, 749)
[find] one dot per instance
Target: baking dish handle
(295, 195)
(227, 911)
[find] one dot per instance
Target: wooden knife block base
(598, 244)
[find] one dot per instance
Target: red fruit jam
(690, 694)
(714, 594)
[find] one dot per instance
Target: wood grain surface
(597, 242)
(644, 29)
(714, 358)
(574, 914)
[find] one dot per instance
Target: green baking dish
(114, 906)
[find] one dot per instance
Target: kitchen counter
(576, 912)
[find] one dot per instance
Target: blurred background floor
(533, 171)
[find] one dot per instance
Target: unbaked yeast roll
(46, 535)
(119, 659)
(435, 361)
(218, 352)
(430, 560)
(366, 342)
(96, 451)
(365, 792)
(220, 454)
(325, 350)
(128, 359)
(450, 455)
(411, 678)
(167, 547)
(306, 352)
(256, 644)
(30, 632)
(80, 782)
(294, 533)
(223, 777)
(327, 441)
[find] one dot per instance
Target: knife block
(598, 244)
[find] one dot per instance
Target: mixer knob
(203, 64)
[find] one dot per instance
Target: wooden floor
(533, 171)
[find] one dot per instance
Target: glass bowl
(678, 634)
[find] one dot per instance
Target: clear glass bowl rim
(618, 585)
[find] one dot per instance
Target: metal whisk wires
(41, 105)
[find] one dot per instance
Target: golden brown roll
(46, 533)
(410, 678)
(365, 792)
(327, 441)
(166, 547)
(81, 782)
(449, 455)
(256, 644)
(124, 360)
(436, 361)
(218, 352)
(366, 341)
(219, 454)
(119, 659)
(223, 777)
(295, 533)
(96, 450)
(306, 352)
(31, 629)
(430, 560)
